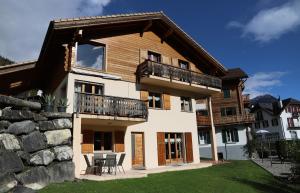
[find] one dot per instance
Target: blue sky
(262, 37)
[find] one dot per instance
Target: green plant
(63, 102)
(48, 99)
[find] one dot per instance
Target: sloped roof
(234, 73)
(97, 21)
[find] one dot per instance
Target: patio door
(137, 148)
(174, 147)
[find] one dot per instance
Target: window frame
(228, 95)
(159, 56)
(257, 125)
(102, 141)
(225, 110)
(152, 95)
(96, 44)
(189, 101)
(275, 120)
(265, 123)
(231, 133)
(185, 62)
(206, 137)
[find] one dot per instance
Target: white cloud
(269, 24)
(23, 24)
(263, 82)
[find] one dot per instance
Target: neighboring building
(132, 82)
(231, 118)
(280, 118)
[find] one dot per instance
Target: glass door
(174, 148)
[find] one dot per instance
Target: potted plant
(48, 102)
(62, 105)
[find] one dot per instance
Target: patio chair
(120, 162)
(110, 162)
(90, 169)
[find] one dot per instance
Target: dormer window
(91, 56)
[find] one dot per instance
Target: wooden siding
(125, 52)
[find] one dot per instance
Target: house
(132, 82)
(231, 118)
(279, 118)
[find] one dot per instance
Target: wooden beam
(146, 28)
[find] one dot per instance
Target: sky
(260, 36)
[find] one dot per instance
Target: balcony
(110, 107)
(157, 74)
(228, 120)
(246, 98)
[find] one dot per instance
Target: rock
(38, 117)
(62, 123)
(58, 137)
(60, 172)
(25, 157)
(9, 142)
(16, 115)
(22, 127)
(7, 182)
(43, 157)
(4, 124)
(36, 178)
(10, 162)
(8, 101)
(22, 189)
(63, 153)
(46, 125)
(56, 115)
(34, 141)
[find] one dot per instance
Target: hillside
(5, 61)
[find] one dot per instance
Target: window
(228, 111)
(265, 123)
(102, 141)
(186, 104)
(183, 64)
(257, 125)
(204, 137)
(154, 100)
(155, 57)
(226, 93)
(275, 122)
(90, 88)
(294, 135)
(259, 115)
(272, 136)
(91, 56)
(230, 136)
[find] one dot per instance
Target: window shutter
(119, 141)
(166, 60)
(175, 62)
(87, 145)
(236, 135)
(224, 136)
(189, 147)
(161, 152)
(143, 55)
(167, 101)
(144, 95)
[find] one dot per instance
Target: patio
(144, 173)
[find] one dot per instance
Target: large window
(257, 125)
(155, 57)
(275, 122)
(265, 123)
(228, 111)
(102, 141)
(204, 137)
(154, 100)
(226, 93)
(230, 135)
(186, 104)
(91, 56)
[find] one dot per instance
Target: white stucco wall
(158, 120)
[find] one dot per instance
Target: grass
(235, 177)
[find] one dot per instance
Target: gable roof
(234, 73)
(157, 18)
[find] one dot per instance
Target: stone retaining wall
(35, 147)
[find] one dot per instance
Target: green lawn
(238, 176)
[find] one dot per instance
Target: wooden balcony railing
(226, 120)
(246, 98)
(149, 67)
(110, 106)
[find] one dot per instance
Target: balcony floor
(109, 120)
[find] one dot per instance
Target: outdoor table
(100, 162)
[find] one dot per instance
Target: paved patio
(144, 173)
(276, 169)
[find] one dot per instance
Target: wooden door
(189, 147)
(137, 143)
(161, 150)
